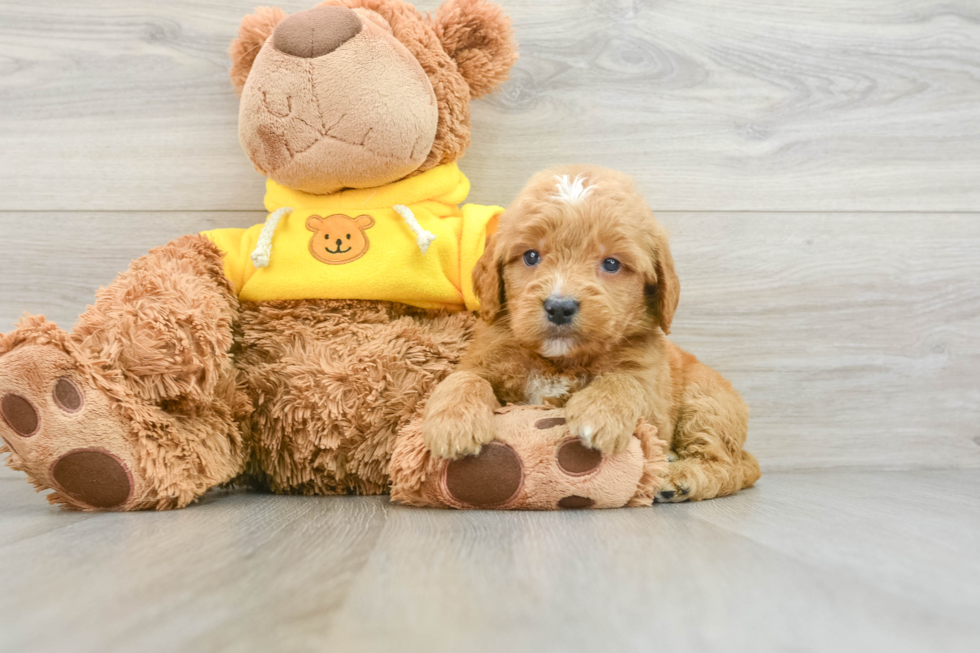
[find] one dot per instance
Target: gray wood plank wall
(817, 163)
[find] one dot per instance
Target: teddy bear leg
(138, 407)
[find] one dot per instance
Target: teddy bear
(288, 355)
(296, 356)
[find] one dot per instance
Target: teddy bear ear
(478, 36)
(252, 34)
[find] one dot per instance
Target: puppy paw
(599, 423)
(459, 416)
(678, 486)
(455, 431)
(671, 493)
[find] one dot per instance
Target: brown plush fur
(612, 365)
(333, 382)
(166, 326)
(478, 37)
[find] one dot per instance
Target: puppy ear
(664, 292)
(364, 222)
(479, 38)
(252, 34)
(487, 282)
(314, 222)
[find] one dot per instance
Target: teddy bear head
(361, 93)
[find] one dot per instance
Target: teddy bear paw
(64, 432)
(538, 464)
(495, 477)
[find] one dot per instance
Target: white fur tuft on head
(572, 190)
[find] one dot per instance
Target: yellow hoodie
(364, 244)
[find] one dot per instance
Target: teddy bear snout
(316, 32)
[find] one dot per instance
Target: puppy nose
(560, 310)
(316, 32)
(339, 243)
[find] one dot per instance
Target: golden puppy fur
(611, 364)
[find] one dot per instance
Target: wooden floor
(820, 561)
(818, 166)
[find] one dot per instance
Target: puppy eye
(531, 258)
(327, 236)
(611, 265)
(348, 236)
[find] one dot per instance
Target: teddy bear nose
(316, 32)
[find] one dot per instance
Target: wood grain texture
(881, 561)
(852, 337)
(712, 104)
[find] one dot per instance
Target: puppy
(577, 291)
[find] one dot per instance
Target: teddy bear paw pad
(575, 502)
(490, 479)
(93, 477)
(63, 431)
(20, 415)
(575, 459)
